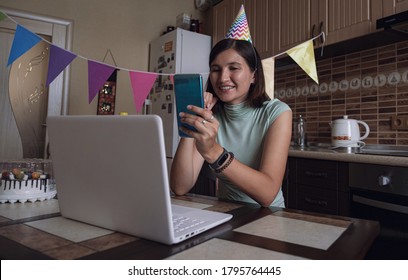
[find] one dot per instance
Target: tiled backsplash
(371, 85)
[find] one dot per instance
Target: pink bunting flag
(98, 74)
(59, 60)
(142, 83)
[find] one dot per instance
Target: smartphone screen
(188, 89)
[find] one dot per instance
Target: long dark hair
(257, 95)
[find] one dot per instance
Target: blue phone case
(188, 89)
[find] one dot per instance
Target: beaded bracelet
(222, 168)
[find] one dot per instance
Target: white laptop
(111, 172)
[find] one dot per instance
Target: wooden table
(38, 231)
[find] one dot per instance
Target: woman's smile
(226, 88)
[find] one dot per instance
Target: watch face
(223, 159)
(220, 161)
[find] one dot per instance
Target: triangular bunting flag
(59, 60)
(2, 16)
(142, 83)
(23, 41)
(303, 55)
(268, 66)
(98, 74)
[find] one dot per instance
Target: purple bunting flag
(142, 83)
(98, 74)
(23, 41)
(59, 60)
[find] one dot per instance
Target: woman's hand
(188, 159)
(209, 100)
(207, 128)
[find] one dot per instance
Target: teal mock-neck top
(242, 131)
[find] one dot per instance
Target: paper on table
(217, 249)
(190, 204)
(316, 235)
(18, 211)
(69, 229)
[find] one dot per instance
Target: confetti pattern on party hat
(239, 29)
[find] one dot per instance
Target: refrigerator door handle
(147, 107)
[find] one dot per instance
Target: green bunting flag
(2, 16)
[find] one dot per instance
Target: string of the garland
(88, 59)
(162, 74)
(322, 34)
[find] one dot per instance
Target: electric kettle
(345, 132)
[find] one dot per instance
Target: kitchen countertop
(324, 153)
(38, 231)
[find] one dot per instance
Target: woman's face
(231, 77)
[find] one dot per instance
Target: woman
(241, 133)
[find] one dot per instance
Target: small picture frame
(107, 96)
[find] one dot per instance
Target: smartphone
(188, 90)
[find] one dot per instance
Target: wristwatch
(220, 160)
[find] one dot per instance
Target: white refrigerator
(179, 51)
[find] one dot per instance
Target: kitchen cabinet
(206, 183)
(277, 25)
(298, 22)
(391, 7)
(224, 14)
(318, 186)
(263, 20)
(339, 19)
(274, 24)
(346, 19)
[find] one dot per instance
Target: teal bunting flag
(23, 41)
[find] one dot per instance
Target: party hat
(239, 29)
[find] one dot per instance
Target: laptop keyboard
(181, 223)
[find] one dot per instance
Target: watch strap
(224, 166)
(220, 160)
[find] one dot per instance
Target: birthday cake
(28, 180)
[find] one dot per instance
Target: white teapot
(345, 132)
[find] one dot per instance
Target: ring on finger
(210, 119)
(203, 122)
